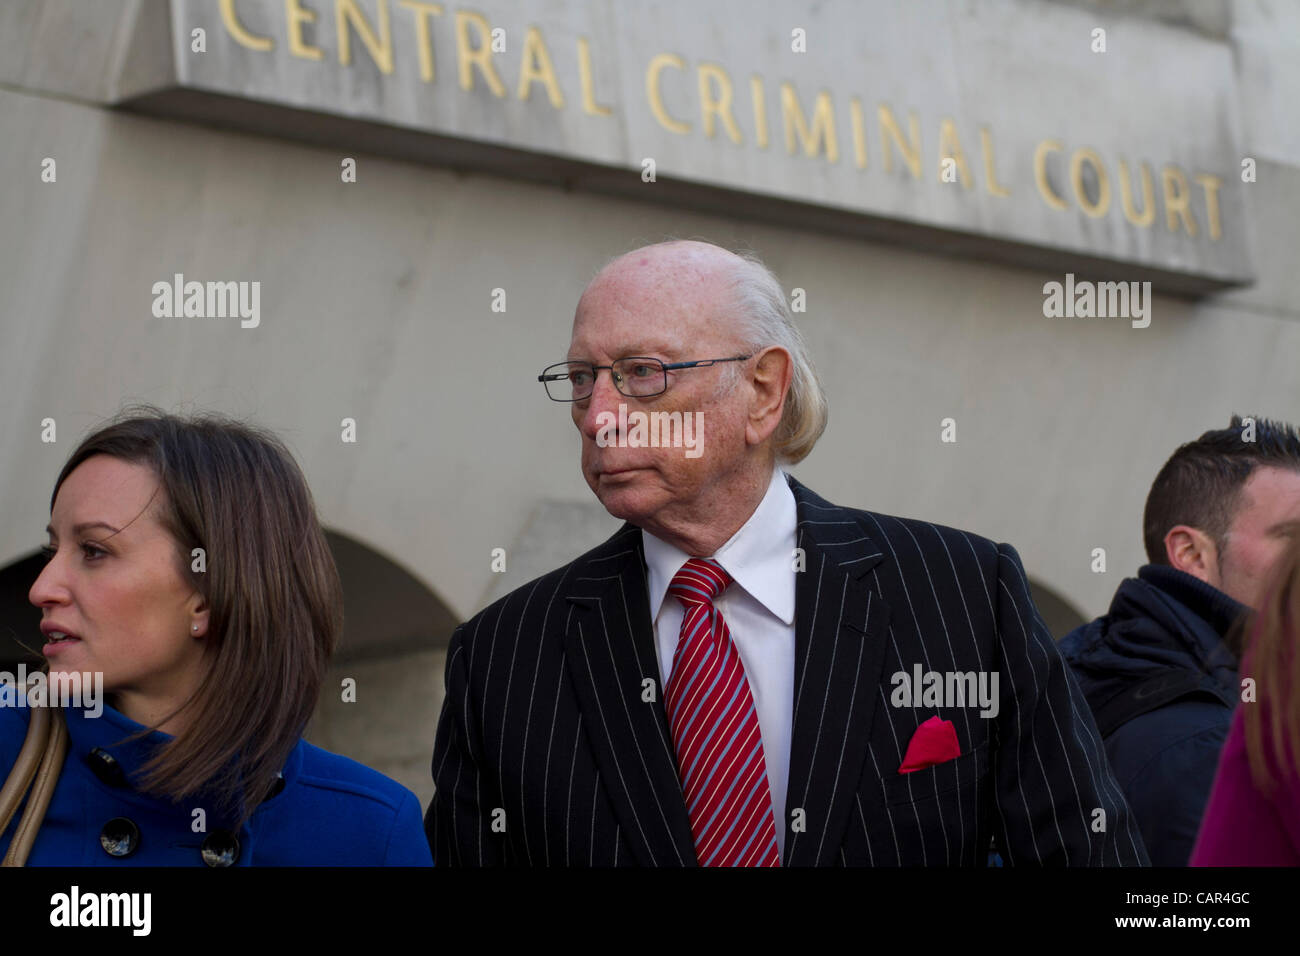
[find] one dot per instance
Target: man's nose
(604, 398)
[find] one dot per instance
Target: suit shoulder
(896, 529)
(536, 596)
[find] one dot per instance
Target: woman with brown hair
(1253, 817)
(186, 565)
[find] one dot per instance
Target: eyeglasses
(634, 376)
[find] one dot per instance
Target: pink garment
(1242, 826)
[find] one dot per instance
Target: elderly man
(746, 674)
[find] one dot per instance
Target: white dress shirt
(759, 610)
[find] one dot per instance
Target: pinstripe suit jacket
(551, 751)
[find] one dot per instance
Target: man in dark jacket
(1159, 670)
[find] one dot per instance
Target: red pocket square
(935, 741)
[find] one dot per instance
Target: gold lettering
(1178, 196)
(589, 104)
(468, 57)
(423, 41)
(990, 168)
(1050, 196)
(236, 29)
(1211, 186)
(823, 124)
(1085, 155)
(1148, 213)
(859, 133)
(347, 13)
(712, 76)
(652, 72)
(295, 16)
(537, 68)
(759, 96)
(909, 149)
(950, 148)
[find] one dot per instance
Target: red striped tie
(715, 730)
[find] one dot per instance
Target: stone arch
(1059, 614)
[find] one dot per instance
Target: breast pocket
(938, 816)
(967, 771)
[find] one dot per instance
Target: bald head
(685, 284)
(698, 259)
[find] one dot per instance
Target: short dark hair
(1200, 485)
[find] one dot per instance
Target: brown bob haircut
(275, 603)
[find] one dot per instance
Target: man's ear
(770, 380)
(1191, 550)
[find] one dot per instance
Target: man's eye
(580, 377)
(644, 371)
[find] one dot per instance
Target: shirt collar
(759, 557)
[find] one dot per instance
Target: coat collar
(116, 748)
(839, 650)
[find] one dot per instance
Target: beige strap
(47, 777)
(25, 767)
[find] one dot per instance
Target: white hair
(764, 319)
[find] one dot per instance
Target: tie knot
(699, 581)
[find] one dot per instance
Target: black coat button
(120, 837)
(220, 848)
(106, 767)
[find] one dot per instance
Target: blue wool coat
(331, 810)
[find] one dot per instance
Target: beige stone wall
(390, 726)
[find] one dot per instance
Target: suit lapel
(610, 652)
(840, 641)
